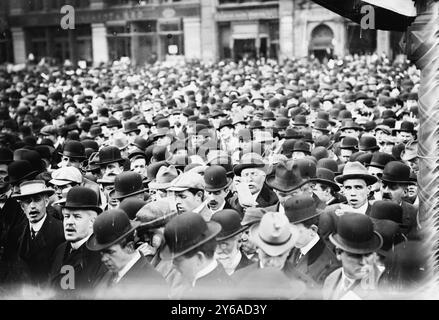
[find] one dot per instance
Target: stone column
(99, 43)
(286, 31)
(383, 42)
(209, 37)
(192, 37)
(19, 45)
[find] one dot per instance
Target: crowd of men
(211, 181)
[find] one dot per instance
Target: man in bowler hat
(79, 212)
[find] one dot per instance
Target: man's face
(356, 192)
(163, 141)
(404, 137)
(316, 133)
(345, 154)
(246, 245)
(353, 264)
(255, 178)
(34, 207)
(216, 198)
(131, 136)
(112, 169)
(283, 196)
(277, 262)
(78, 224)
(304, 234)
(375, 172)
(197, 140)
(393, 191)
(225, 132)
(351, 133)
(414, 164)
(115, 257)
(139, 166)
(322, 191)
(70, 162)
(185, 201)
(298, 155)
(3, 171)
(226, 248)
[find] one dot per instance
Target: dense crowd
(237, 180)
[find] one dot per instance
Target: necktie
(33, 233)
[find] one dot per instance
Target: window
(36, 5)
(170, 26)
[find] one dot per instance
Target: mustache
(387, 196)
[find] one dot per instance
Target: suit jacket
(215, 285)
(318, 263)
(409, 218)
(266, 198)
(12, 221)
(142, 281)
(331, 288)
(37, 255)
(87, 265)
(244, 262)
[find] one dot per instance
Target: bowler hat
(368, 143)
(302, 146)
(230, 222)
(350, 124)
(250, 160)
(255, 124)
(386, 210)
(130, 126)
(291, 133)
(187, 232)
(355, 170)
(349, 143)
(328, 163)
(215, 178)
(391, 233)
(320, 153)
(324, 141)
(6, 156)
(82, 198)
(109, 154)
(273, 234)
(131, 206)
(300, 208)
(109, 228)
(268, 115)
(380, 159)
(32, 187)
(326, 177)
(73, 149)
(20, 170)
(355, 234)
(286, 177)
(300, 121)
(396, 172)
(127, 184)
(282, 123)
(307, 167)
(140, 143)
(321, 125)
(113, 122)
(88, 143)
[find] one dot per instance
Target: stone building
(147, 30)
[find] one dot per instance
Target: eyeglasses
(28, 200)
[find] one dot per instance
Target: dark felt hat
(326, 177)
(127, 183)
(300, 208)
(82, 198)
(109, 154)
(286, 177)
(230, 221)
(215, 178)
(396, 172)
(73, 149)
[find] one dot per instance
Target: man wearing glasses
(356, 243)
(42, 235)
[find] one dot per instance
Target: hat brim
(112, 194)
(27, 176)
(62, 203)
(213, 229)
(94, 245)
(134, 130)
(120, 160)
(395, 181)
(327, 183)
(49, 192)
(270, 249)
(71, 156)
(213, 189)
(234, 233)
(239, 167)
(370, 179)
(158, 222)
(370, 246)
(270, 182)
(374, 148)
(407, 156)
(61, 182)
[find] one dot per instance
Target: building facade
(150, 30)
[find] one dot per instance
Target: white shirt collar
(37, 226)
(76, 245)
(205, 271)
(128, 266)
(219, 209)
(344, 277)
(305, 249)
(281, 208)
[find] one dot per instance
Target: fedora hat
(286, 177)
(368, 143)
(380, 159)
(78, 198)
(355, 170)
(109, 228)
(127, 184)
(410, 151)
(273, 234)
(32, 187)
(356, 234)
(186, 232)
(326, 177)
(250, 160)
(215, 178)
(73, 149)
(108, 155)
(20, 170)
(300, 208)
(386, 210)
(130, 126)
(164, 177)
(307, 167)
(230, 222)
(349, 143)
(396, 172)
(155, 214)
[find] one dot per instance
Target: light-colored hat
(411, 151)
(273, 234)
(186, 181)
(32, 187)
(164, 177)
(66, 175)
(355, 170)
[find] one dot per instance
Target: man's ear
(200, 194)
(314, 228)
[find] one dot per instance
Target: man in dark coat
(310, 254)
(130, 275)
(42, 235)
(79, 212)
(191, 244)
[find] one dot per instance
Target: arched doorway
(321, 44)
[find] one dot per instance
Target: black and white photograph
(219, 150)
